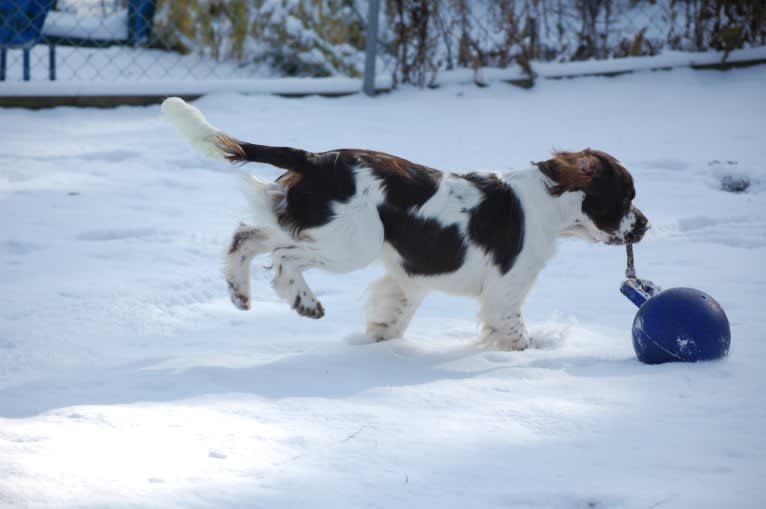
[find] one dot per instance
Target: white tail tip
(193, 126)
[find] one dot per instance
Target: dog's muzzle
(640, 227)
(632, 230)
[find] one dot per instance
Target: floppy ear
(571, 171)
(586, 166)
(549, 169)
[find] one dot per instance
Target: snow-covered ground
(128, 380)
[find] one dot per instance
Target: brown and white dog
(478, 235)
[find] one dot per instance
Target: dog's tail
(215, 143)
(197, 130)
(264, 197)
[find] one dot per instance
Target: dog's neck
(552, 214)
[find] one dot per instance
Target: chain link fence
(108, 40)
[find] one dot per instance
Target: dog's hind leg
(289, 263)
(390, 308)
(246, 243)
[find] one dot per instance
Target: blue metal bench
(23, 26)
(21, 22)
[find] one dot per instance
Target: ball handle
(637, 290)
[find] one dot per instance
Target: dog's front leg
(502, 324)
(390, 308)
(507, 334)
(503, 327)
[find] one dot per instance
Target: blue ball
(680, 325)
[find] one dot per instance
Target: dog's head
(607, 213)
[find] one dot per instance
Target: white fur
(627, 225)
(263, 198)
(193, 126)
(354, 238)
(391, 304)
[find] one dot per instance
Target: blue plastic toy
(675, 325)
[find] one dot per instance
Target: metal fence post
(25, 62)
(371, 47)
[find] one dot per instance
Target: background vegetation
(419, 38)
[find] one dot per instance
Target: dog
(476, 234)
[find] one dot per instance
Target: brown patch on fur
(242, 236)
(237, 241)
(231, 146)
(405, 184)
(289, 179)
(386, 163)
(573, 171)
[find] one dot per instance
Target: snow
(128, 380)
(121, 70)
(165, 87)
(555, 70)
(112, 27)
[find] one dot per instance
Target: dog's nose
(642, 223)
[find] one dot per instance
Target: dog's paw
(308, 307)
(238, 298)
(380, 331)
(517, 344)
(498, 341)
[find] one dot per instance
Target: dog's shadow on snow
(329, 371)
